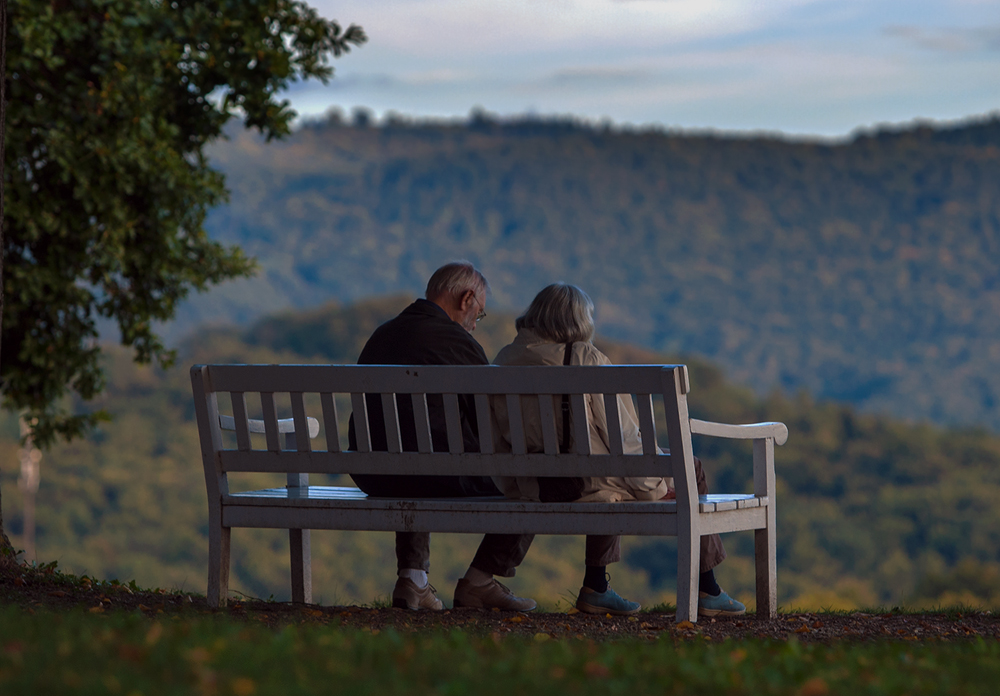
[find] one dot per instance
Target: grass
(77, 652)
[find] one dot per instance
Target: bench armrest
(751, 431)
(285, 425)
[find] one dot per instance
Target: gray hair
(561, 313)
(454, 278)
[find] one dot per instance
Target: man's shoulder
(422, 335)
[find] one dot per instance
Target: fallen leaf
(97, 610)
(802, 629)
(684, 626)
(814, 687)
(242, 686)
(573, 610)
(154, 633)
(541, 637)
(58, 593)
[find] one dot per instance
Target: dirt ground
(44, 588)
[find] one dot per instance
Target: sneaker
(608, 602)
(493, 595)
(406, 595)
(721, 605)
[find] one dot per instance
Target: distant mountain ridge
(867, 271)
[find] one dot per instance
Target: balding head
(459, 288)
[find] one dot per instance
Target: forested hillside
(870, 510)
(866, 271)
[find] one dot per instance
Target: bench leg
(218, 565)
(688, 560)
(765, 559)
(301, 565)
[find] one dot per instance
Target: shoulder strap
(564, 446)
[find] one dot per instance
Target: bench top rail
(438, 379)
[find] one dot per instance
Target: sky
(799, 67)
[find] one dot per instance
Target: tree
(6, 550)
(110, 104)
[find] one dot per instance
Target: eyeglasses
(482, 309)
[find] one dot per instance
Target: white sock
(478, 577)
(419, 577)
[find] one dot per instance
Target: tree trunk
(6, 550)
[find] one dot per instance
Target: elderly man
(438, 331)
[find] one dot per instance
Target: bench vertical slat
(302, 440)
(613, 416)
(422, 423)
(548, 417)
(453, 423)
(517, 444)
(330, 426)
(270, 421)
(647, 425)
(361, 431)
(581, 427)
(394, 441)
(239, 400)
(485, 423)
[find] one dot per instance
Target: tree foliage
(111, 104)
(863, 271)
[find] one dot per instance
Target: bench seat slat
(482, 521)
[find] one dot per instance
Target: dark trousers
(498, 554)
(604, 550)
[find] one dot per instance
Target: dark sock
(596, 578)
(707, 583)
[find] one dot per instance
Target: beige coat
(529, 349)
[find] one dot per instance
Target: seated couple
(557, 325)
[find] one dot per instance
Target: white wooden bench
(300, 507)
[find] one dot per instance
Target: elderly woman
(557, 329)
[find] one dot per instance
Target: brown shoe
(490, 596)
(406, 595)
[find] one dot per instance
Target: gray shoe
(608, 602)
(406, 595)
(720, 605)
(490, 596)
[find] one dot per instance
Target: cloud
(596, 77)
(948, 39)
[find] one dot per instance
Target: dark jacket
(422, 334)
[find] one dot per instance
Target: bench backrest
(329, 384)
